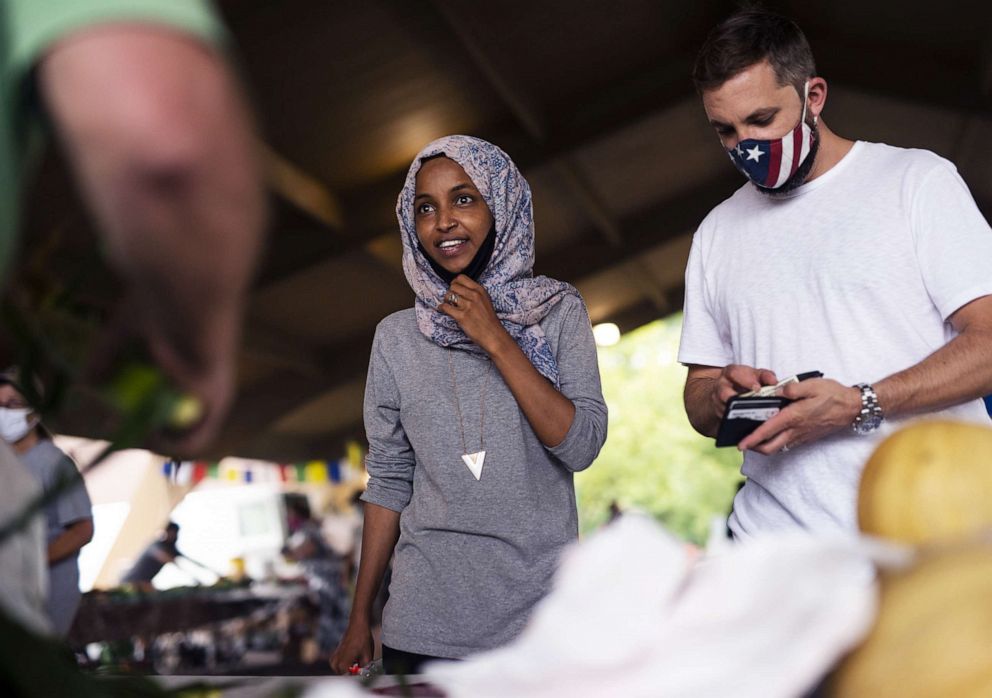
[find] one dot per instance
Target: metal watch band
(870, 417)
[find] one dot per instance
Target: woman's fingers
(466, 282)
(464, 292)
(468, 303)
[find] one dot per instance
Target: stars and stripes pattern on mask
(770, 163)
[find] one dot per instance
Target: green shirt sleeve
(28, 29)
(34, 25)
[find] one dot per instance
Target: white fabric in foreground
(338, 687)
(631, 615)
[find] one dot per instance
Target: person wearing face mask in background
(69, 518)
(866, 262)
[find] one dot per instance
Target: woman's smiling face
(452, 218)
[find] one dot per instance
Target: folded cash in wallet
(747, 411)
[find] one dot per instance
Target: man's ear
(817, 95)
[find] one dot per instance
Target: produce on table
(933, 636)
(929, 482)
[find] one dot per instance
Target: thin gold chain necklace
(475, 460)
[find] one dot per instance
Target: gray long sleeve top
(473, 556)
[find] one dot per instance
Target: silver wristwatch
(870, 417)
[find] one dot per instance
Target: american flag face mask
(769, 164)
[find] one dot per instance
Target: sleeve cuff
(392, 498)
(581, 444)
(962, 299)
(687, 359)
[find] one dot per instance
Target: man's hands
(820, 407)
(356, 648)
(707, 389)
(736, 379)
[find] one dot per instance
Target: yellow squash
(929, 482)
(933, 636)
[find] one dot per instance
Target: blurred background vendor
(69, 517)
(155, 557)
(325, 571)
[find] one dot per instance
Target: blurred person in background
(142, 98)
(156, 556)
(69, 518)
(326, 573)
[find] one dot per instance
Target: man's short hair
(750, 36)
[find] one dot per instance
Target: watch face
(869, 424)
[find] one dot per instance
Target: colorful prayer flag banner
(316, 471)
(183, 473)
(355, 454)
(239, 470)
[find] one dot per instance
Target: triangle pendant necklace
(473, 461)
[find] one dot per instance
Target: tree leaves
(653, 460)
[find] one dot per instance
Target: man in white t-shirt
(866, 262)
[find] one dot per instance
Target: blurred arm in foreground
(161, 143)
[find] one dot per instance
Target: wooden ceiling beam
(663, 221)
(528, 118)
(273, 346)
(302, 190)
(606, 111)
(902, 71)
(262, 404)
(293, 448)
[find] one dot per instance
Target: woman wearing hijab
(481, 403)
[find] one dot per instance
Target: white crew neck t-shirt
(853, 274)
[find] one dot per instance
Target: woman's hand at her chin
(468, 303)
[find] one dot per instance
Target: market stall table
(108, 616)
(223, 629)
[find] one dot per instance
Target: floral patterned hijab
(520, 300)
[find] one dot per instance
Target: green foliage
(653, 460)
(140, 400)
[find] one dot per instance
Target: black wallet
(744, 415)
(748, 411)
